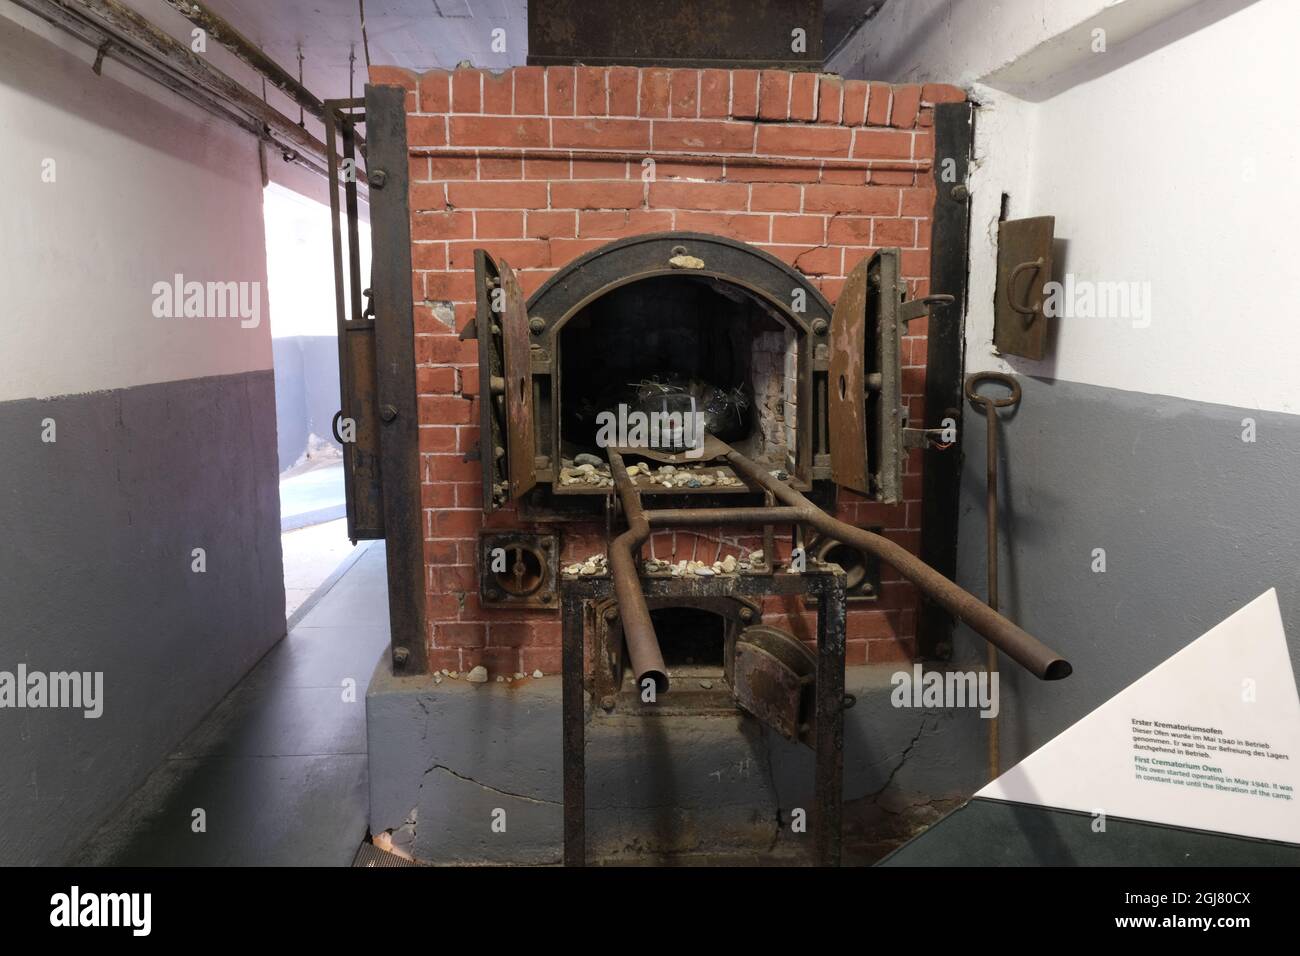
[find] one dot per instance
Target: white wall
(1161, 173)
(1167, 160)
(299, 253)
(1002, 43)
(146, 186)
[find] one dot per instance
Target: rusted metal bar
(84, 27)
(828, 772)
(394, 343)
(726, 159)
(722, 516)
(638, 630)
(224, 33)
(132, 29)
(1021, 647)
(990, 406)
(572, 714)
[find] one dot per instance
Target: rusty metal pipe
(1021, 647)
(723, 516)
(638, 630)
(129, 28)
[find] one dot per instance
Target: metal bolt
(611, 614)
(960, 193)
(607, 703)
(746, 614)
(536, 325)
(377, 178)
(387, 412)
(548, 597)
(820, 326)
(400, 656)
(493, 594)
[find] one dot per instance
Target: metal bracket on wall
(1024, 268)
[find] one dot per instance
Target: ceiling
(417, 34)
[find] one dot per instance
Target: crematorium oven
(685, 380)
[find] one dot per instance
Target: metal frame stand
(577, 594)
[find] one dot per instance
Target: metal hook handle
(1026, 310)
(976, 379)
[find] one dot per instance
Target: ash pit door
(774, 681)
(865, 404)
(507, 443)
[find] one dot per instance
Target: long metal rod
(79, 25)
(995, 731)
(1021, 647)
(722, 516)
(828, 695)
(572, 716)
(990, 405)
(224, 33)
(133, 29)
(638, 630)
(727, 159)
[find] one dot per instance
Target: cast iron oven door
(507, 441)
(865, 402)
(855, 366)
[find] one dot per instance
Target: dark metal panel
(755, 33)
(828, 787)
(573, 717)
(390, 231)
(772, 679)
(356, 426)
(847, 385)
(945, 363)
(864, 401)
(521, 442)
(886, 451)
(1024, 268)
(491, 368)
(508, 441)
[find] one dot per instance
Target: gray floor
(312, 496)
(279, 766)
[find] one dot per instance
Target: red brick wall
(541, 165)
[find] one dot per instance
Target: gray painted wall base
(444, 757)
(1195, 523)
(306, 392)
(95, 575)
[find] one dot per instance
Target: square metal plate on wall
(1024, 268)
(518, 569)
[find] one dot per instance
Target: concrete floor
(279, 766)
(310, 556)
(312, 493)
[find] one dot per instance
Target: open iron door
(356, 426)
(774, 681)
(507, 443)
(865, 403)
